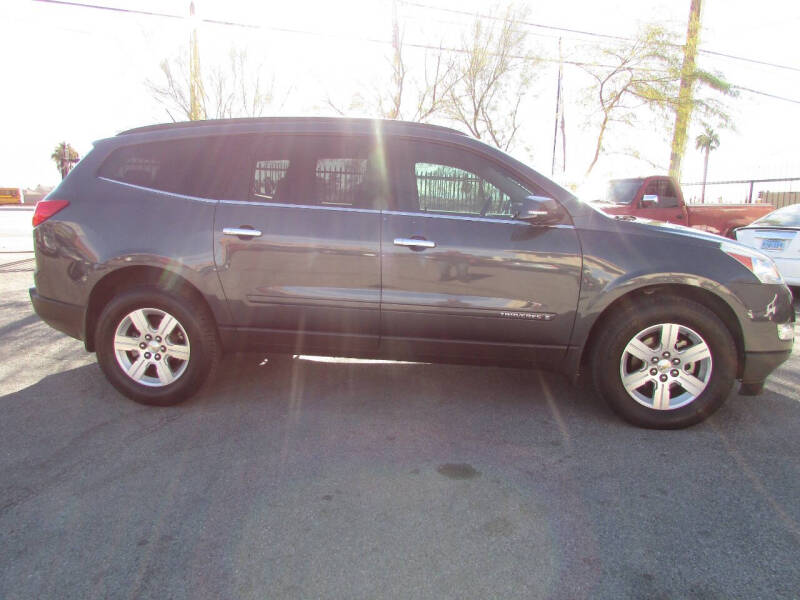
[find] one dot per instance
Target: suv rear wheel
(664, 365)
(156, 347)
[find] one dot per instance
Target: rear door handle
(242, 232)
(414, 243)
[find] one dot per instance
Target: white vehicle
(777, 234)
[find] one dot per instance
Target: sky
(78, 74)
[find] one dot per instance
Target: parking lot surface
(316, 478)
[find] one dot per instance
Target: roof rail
(269, 120)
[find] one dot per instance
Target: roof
(306, 123)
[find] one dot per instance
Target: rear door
(461, 277)
(299, 255)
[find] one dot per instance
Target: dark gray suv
(169, 244)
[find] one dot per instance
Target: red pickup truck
(660, 198)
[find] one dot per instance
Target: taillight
(46, 209)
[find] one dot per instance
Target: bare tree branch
(494, 75)
(234, 88)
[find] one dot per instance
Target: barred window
(340, 180)
(316, 170)
(267, 174)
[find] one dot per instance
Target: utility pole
(196, 111)
(683, 112)
(397, 65)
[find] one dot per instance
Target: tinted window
(665, 190)
(267, 174)
(667, 197)
(194, 167)
(321, 171)
(449, 181)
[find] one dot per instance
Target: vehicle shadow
(299, 453)
(282, 386)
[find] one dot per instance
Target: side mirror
(537, 210)
(649, 200)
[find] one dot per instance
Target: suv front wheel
(156, 347)
(666, 364)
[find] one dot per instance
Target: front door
(461, 277)
(299, 257)
(667, 208)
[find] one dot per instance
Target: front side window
(665, 190)
(319, 171)
(447, 189)
(451, 181)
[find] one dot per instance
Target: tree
(65, 157)
(627, 78)
(706, 141)
(645, 76)
(683, 109)
(234, 88)
(410, 93)
(494, 72)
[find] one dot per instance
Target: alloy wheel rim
(666, 366)
(151, 347)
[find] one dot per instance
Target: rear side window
(346, 172)
(202, 167)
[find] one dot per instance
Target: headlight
(760, 265)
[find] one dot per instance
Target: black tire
(626, 323)
(193, 317)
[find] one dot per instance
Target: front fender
(593, 304)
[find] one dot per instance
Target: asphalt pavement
(314, 478)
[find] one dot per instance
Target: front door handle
(242, 232)
(414, 243)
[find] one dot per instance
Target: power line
(589, 33)
(381, 41)
(768, 95)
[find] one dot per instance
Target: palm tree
(706, 141)
(65, 157)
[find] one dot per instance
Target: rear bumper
(65, 317)
(758, 365)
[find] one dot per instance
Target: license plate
(772, 244)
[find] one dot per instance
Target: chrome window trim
(311, 206)
(157, 191)
(336, 208)
(467, 218)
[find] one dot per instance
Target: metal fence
(778, 192)
(460, 194)
(267, 175)
(334, 184)
(442, 193)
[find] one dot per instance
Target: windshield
(622, 192)
(788, 216)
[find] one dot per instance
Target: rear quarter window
(202, 167)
